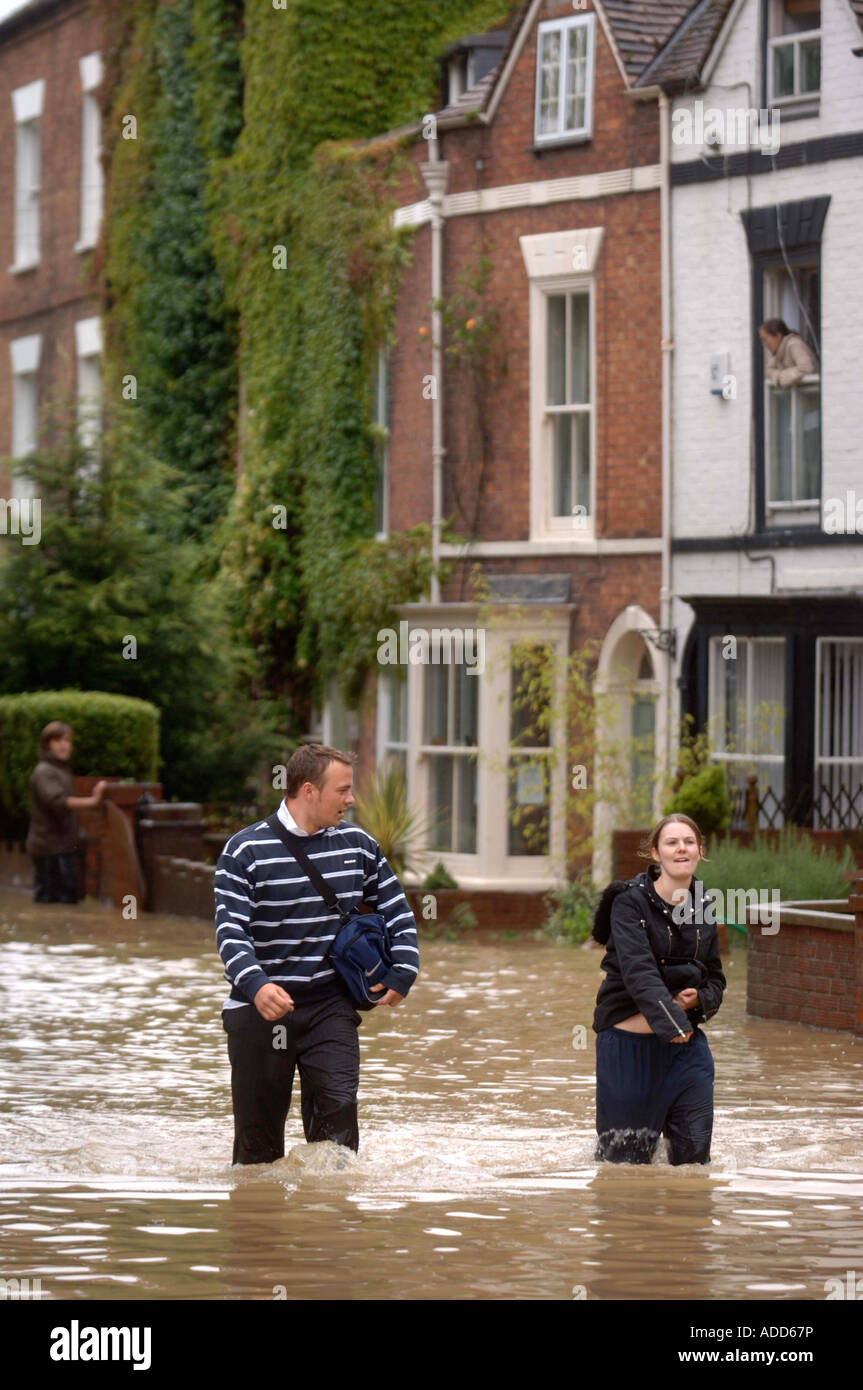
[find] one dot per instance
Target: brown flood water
(475, 1176)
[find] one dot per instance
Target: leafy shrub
(115, 735)
(703, 797)
(792, 863)
(383, 811)
(572, 910)
(440, 877)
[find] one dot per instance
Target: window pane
(781, 485)
(783, 70)
(556, 350)
(810, 66)
(576, 70)
(437, 704)
(528, 806)
(766, 716)
(561, 427)
(581, 427)
(734, 697)
(467, 805)
(839, 784)
(808, 442)
(579, 350)
(466, 707)
(397, 725)
(531, 674)
(549, 81)
(440, 787)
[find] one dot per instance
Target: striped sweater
(273, 926)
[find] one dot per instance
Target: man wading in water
(288, 1007)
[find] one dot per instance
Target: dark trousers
(646, 1087)
(56, 878)
(320, 1038)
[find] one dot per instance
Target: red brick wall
(625, 132)
(627, 393)
(49, 298)
(802, 974)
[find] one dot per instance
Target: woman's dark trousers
(646, 1087)
(56, 878)
(320, 1038)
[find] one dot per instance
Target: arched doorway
(627, 690)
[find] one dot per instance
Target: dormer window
(564, 80)
(457, 74)
(793, 52)
(467, 62)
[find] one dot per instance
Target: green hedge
(793, 864)
(115, 735)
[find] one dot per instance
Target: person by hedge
(52, 839)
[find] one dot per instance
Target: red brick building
(545, 449)
(51, 200)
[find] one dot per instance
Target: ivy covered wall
(250, 277)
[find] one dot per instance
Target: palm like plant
(383, 810)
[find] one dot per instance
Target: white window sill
(559, 545)
(81, 245)
(21, 267)
(570, 137)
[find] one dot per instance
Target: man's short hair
(56, 729)
(309, 763)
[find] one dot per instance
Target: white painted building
(767, 481)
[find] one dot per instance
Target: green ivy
(249, 122)
(177, 335)
(320, 76)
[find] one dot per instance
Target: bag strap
(295, 845)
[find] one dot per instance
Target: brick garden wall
(803, 974)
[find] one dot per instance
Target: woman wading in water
(663, 976)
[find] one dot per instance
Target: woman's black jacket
(653, 951)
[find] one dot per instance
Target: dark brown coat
(52, 824)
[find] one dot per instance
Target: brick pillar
(171, 828)
(855, 905)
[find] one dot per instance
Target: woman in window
(789, 358)
(663, 976)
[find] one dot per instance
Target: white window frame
(549, 259)
(384, 743)
(565, 27)
(27, 105)
(809, 386)
(26, 356)
(491, 865)
(796, 510)
(776, 39)
(92, 175)
(747, 755)
(824, 761)
(88, 349)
